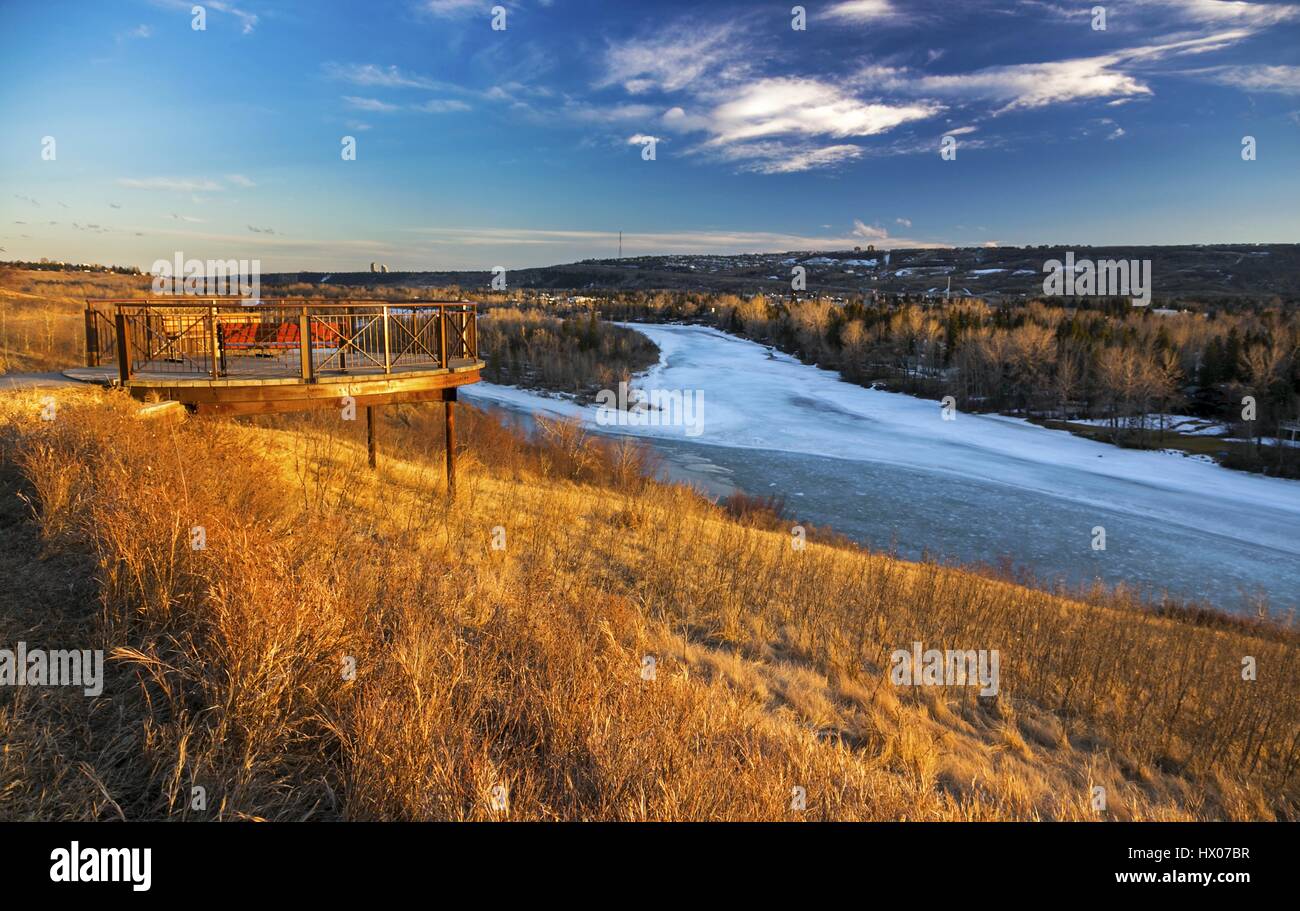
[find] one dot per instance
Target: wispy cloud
(369, 104)
(863, 11)
(247, 21)
(666, 242)
(441, 106)
(451, 9)
(672, 61)
(1259, 78)
(766, 124)
(788, 157)
(1025, 86)
(173, 184)
(806, 107)
(370, 74)
(1222, 12)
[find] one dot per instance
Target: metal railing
(277, 337)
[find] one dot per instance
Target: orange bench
(267, 336)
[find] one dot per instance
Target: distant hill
(1219, 270)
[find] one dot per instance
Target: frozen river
(886, 469)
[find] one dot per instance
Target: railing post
(388, 361)
(214, 344)
(304, 344)
(473, 331)
(123, 347)
(442, 335)
(343, 354)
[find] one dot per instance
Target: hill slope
(513, 683)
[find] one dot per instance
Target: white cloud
(863, 10)
(176, 184)
(671, 63)
(1024, 86)
(1217, 12)
(449, 9)
(805, 107)
(905, 222)
(369, 74)
(441, 106)
(872, 233)
(661, 242)
(247, 20)
(1283, 79)
(1032, 85)
(240, 180)
(609, 114)
(369, 104)
(789, 158)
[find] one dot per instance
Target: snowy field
(887, 469)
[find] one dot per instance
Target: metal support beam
(370, 435)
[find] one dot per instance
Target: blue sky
(524, 146)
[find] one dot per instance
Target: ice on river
(886, 467)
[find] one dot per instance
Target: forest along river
(886, 469)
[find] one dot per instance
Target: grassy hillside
(509, 683)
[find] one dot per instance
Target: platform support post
(370, 436)
(92, 339)
(449, 409)
(123, 347)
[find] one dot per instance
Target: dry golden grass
(480, 669)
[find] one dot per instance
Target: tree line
(579, 355)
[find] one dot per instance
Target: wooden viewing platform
(229, 356)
